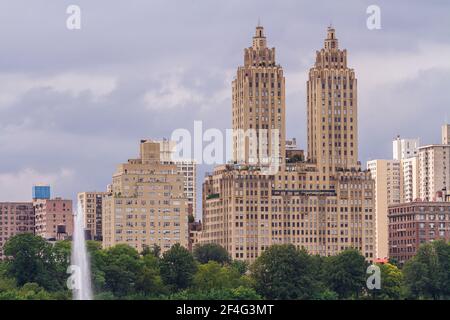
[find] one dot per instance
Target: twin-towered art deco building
(324, 204)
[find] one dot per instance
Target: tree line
(36, 269)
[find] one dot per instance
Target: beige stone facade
(332, 109)
(246, 211)
(386, 174)
(324, 204)
(146, 204)
(258, 112)
(92, 204)
(195, 229)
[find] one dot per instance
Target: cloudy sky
(75, 103)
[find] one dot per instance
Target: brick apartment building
(15, 218)
(414, 223)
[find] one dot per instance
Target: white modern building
(446, 134)
(404, 148)
(187, 167)
(406, 151)
(409, 179)
(434, 170)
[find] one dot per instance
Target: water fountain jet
(80, 260)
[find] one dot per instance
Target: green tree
(427, 274)
(149, 281)
(345, 273)
(97, 259)
(442, 250)
(178, 267)
(245, 293)
(93, 246)
(122, 268)
(212, 275)
(61, 254)
(321, 292)
(240, 266)
(283, 272)
(391, 283)
(239, 293)
(32, 259)
(155, 250)
(32, 291)
(211, 252)
(6, 283)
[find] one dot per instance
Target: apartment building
(293, 153)
(445, 134)
(409, 179)
(195, 229)
(324, 204)
(15, 218)
(258, 106)
(53, 218)
(414, 223)
(386, 174)
(405, 148)
(406, 151)
(186, 167)
(92, 206)
(434, 170)
(146, 203)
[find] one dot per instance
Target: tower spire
(331, 42)
(259, 39)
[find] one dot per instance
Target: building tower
(332, 109)
(15, 218)
(322, 208)
(446, 134)
(386, 174)
(405, 148)
(259, 105)
(146, 204)
(92, 206)
(187, 167)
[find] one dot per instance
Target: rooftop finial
(331, 42)
(259, 40)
